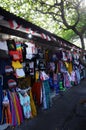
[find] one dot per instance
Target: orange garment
(16, 55)
(16, 109)
(6, 113)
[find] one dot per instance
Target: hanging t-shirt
(11, 45)
(20, 73)
(24, 46)
(41, 65)
(30, 50)
(26, 69)
(3, 45)
(18, 46)
(16, 64)
(16, 55)
(31, 68)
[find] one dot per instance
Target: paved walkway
(64, 113)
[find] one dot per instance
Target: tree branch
(73, 27)
(83, 30)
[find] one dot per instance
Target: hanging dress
(25, 102)
(6, 113)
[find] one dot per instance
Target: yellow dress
(33, 107)
(70, 67)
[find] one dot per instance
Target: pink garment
(19, 108)
(52, 66)
(67, 80)
(73, 76)
(64, 56)
(69, 56)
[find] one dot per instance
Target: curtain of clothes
(16, 106)
(57, 71)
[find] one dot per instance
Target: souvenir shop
(30, 70)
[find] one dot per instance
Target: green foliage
(68, 34)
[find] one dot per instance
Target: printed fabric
(46, 94)
(25, 102)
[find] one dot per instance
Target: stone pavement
(65, 113)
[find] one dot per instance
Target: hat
(12, 83)
(8, 69)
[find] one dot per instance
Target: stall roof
(7, 16)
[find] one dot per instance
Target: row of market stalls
(34, 63)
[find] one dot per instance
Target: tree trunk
(83, 50)
(82, 42)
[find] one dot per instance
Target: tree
(69, 14)
(67, 17)
(26, 10)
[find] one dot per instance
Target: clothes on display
(30, 71)
(28, 78)
(16, 65)
(11, 109)
(56, 83)
(11, 44)
(16, 55)
(16, 110)
(36, 91)
(9, 81)
(1, 84)
(4, 63)
(33, 106)
(3, 45)
(25, 102)
(20, 73)
(46, 94)
(6, 113)
(4, 126)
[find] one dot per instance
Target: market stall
(34, 64)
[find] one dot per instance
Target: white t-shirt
(3, 45)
